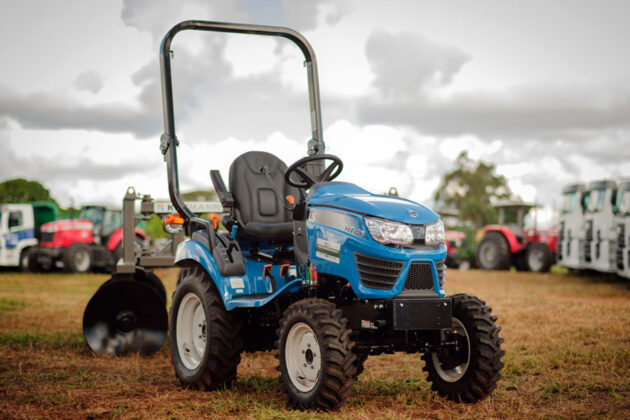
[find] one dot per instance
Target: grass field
(567, 343)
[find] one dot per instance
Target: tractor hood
(72, 224)
(350, 197)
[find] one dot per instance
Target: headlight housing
(434, 233)
(389, 232)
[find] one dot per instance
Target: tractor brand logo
(413, 213)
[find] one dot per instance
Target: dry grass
(567, 342)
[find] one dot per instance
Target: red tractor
(93, 241)
(508, 244)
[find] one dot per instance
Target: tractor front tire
(77, 258)
(493, 252)
(470, 374)
(205, 339)
(317, 364)
(539, 257)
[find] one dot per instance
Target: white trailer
(570, 250)
(622, 222)
(600, 242)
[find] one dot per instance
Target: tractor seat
(260, 214)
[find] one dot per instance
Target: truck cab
(572, 235)
(20, 230)
(600, 237)
(622, 223)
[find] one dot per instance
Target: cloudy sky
(540, 89)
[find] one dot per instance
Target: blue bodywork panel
(352, 198)
(336, 231)
(237, 291)
(11, 240)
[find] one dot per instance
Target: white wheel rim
(535, 259)
(456, 373)
(302, 357)
(487, 253)
(81, 260)
(191, 331)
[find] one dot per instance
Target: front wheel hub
(303, 357)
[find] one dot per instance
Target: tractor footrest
(422, 314)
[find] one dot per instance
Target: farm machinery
(622, 220)
(322, 271)
(92, 241)
(594, 227)
(507, 244)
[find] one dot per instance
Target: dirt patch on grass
(566, 340)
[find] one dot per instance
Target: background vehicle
(600, 236)
(93, 241)
(508, 243)
(325, 272)
(571, 234)
(622, 221)
(20, 230)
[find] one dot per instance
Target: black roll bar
(169, 142)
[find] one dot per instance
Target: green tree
(469, 188)
(21, 190)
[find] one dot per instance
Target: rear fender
(191, 252)
(515, 246)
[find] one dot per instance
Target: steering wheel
(308, 180)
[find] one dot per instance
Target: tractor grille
(376, 273)
(419, 277)
(441, 272)
(47, 236)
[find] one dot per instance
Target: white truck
(570, 250)
(622, 222)
(20, 229)
(600, 242)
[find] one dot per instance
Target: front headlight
(434, 233)
(388, 232)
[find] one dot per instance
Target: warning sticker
(327, 250)
(237, 283)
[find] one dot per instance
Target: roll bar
(168, 140)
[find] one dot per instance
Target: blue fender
(191, 250)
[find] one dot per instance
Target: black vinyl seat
(257, 208)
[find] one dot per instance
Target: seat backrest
(254, 198)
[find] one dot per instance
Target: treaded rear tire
(493, 252)
(483, 371)
(338, 372)
(222, 352)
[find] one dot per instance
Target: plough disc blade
(125, 316)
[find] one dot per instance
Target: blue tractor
(322, 271)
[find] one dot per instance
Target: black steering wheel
(308, 180)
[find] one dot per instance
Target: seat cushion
(282, 232)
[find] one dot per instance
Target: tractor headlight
(388, 232)
(434, 233)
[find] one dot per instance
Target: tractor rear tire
(539, 258)
(205, 338)
(493, 252)
(476, 377)
(77, 258)
(315, 353)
